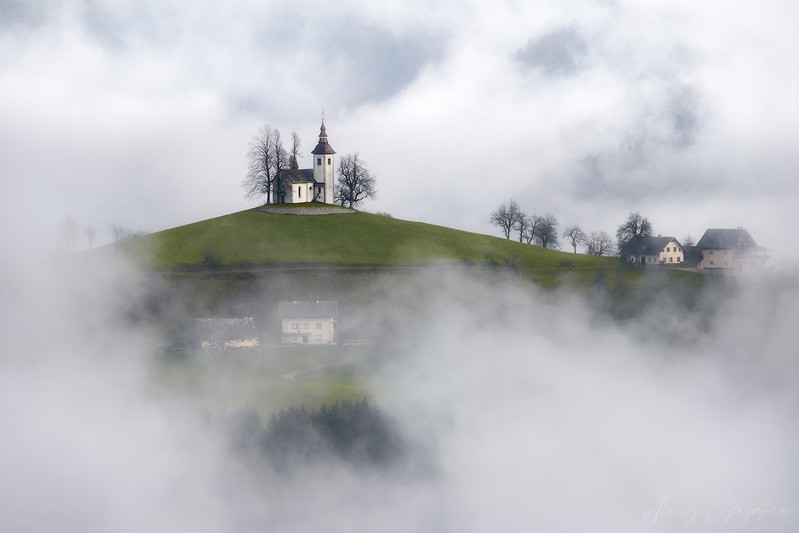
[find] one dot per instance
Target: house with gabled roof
(650, 250)
(311, 184)
(308, 322)
(731, 249)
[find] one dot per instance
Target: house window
(711, 252)
(318, 337)
(318, 325)
(318, 160)
(671, 259)
(679, 259)
(711, 263)
(295, 325)
(305, 325)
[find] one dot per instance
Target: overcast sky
(139, 113)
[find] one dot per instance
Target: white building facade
(308, 322)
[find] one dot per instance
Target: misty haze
(400, 267)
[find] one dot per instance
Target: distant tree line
(70, 233)
(542, 230)
(352, 432)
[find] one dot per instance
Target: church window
(318, 160)
(299, 192)
(329, 160)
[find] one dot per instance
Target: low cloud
(560, 52)
(524, 409)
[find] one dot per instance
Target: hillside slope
(254, 239)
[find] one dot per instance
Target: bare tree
(576, 236)
(545, 232)
(259, 181)
(294, 154)
(281, 164)
(634, 226)
(599, 243)
(90, 233)
(688, 241)
(523, 224)
(355, 183)
(531, 229)
(507, 217)
(121, 233)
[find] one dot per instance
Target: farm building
(308, 322)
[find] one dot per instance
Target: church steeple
(323, 167)
(323, 147)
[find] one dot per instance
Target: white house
(731, 249)
(654, 251)
(308, 322)
(312, 184)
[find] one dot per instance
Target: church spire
(323, 147)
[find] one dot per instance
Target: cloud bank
(524, 410)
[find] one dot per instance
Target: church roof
(298, 175)
(323, 147)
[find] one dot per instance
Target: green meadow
(254, 239)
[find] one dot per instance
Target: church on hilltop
(311, 184)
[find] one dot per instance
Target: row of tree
(268, 160)
(532, 229)
(542, 230)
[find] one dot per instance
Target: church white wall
(324, 172)
(300, 193)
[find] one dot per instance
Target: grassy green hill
(254, 239)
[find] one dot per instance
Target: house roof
(724, 239)
(308, 309)
(641, 245)
(298, 175)
(693, 255)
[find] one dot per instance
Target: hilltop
(257, 239)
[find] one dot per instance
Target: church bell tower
(323, 165)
